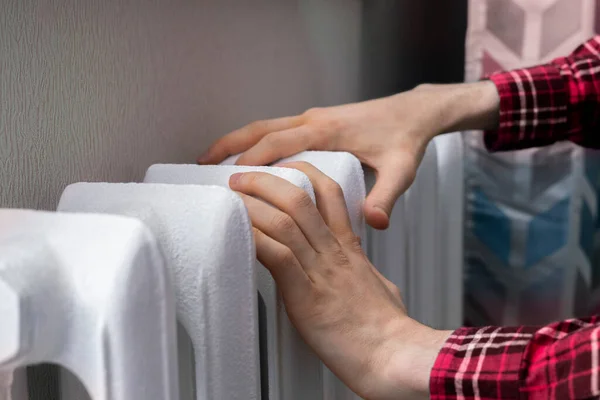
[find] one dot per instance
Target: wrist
(409, 368)
(465, 106)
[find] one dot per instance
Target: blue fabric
(491, 226)
(587, 230)
(547, 232)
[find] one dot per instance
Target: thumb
(392, 180)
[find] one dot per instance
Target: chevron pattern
(532, 245)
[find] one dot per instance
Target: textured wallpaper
(532, 243)
(99, 90)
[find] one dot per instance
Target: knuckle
(354, 242)
(284, 223)
(331, 125)
(333, 189)
(394, 290)
(285, 256)
(300, 199)
(313, 112)
(425, 86)
(323, 129)
(340, 258)
(327, 134)
(358, 241)
(250, 180)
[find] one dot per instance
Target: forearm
(409, 368)
(550, 362)
(528, 107)
(473, 106)
(465, 106)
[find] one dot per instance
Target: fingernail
(233, 179)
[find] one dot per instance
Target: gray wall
(407, 42)
(99, 90)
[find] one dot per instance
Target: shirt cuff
(480, 363)
(533, 108)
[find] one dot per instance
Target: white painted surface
(422, 251)
(294, 370)
(89, 293)
(450, 162)
(205, 235)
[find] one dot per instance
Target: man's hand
(389, 135)
(352, 317)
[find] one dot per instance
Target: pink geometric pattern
(559, 22)
(506, 21)
(489, 64)
(506, 35)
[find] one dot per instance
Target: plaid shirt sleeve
(549, 103)
(558, 361)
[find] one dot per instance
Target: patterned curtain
(532, 242)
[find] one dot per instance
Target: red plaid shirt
(538, 106)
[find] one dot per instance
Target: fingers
(277, 145)
(392, 180)
(279, 226)
(244, 138)
(330, 201)
(282, 264)
(290, 199)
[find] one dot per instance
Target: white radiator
(102, 293)
(422, 250)
(89, 293)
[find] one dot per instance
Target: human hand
(351, 316)
(389, 135)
